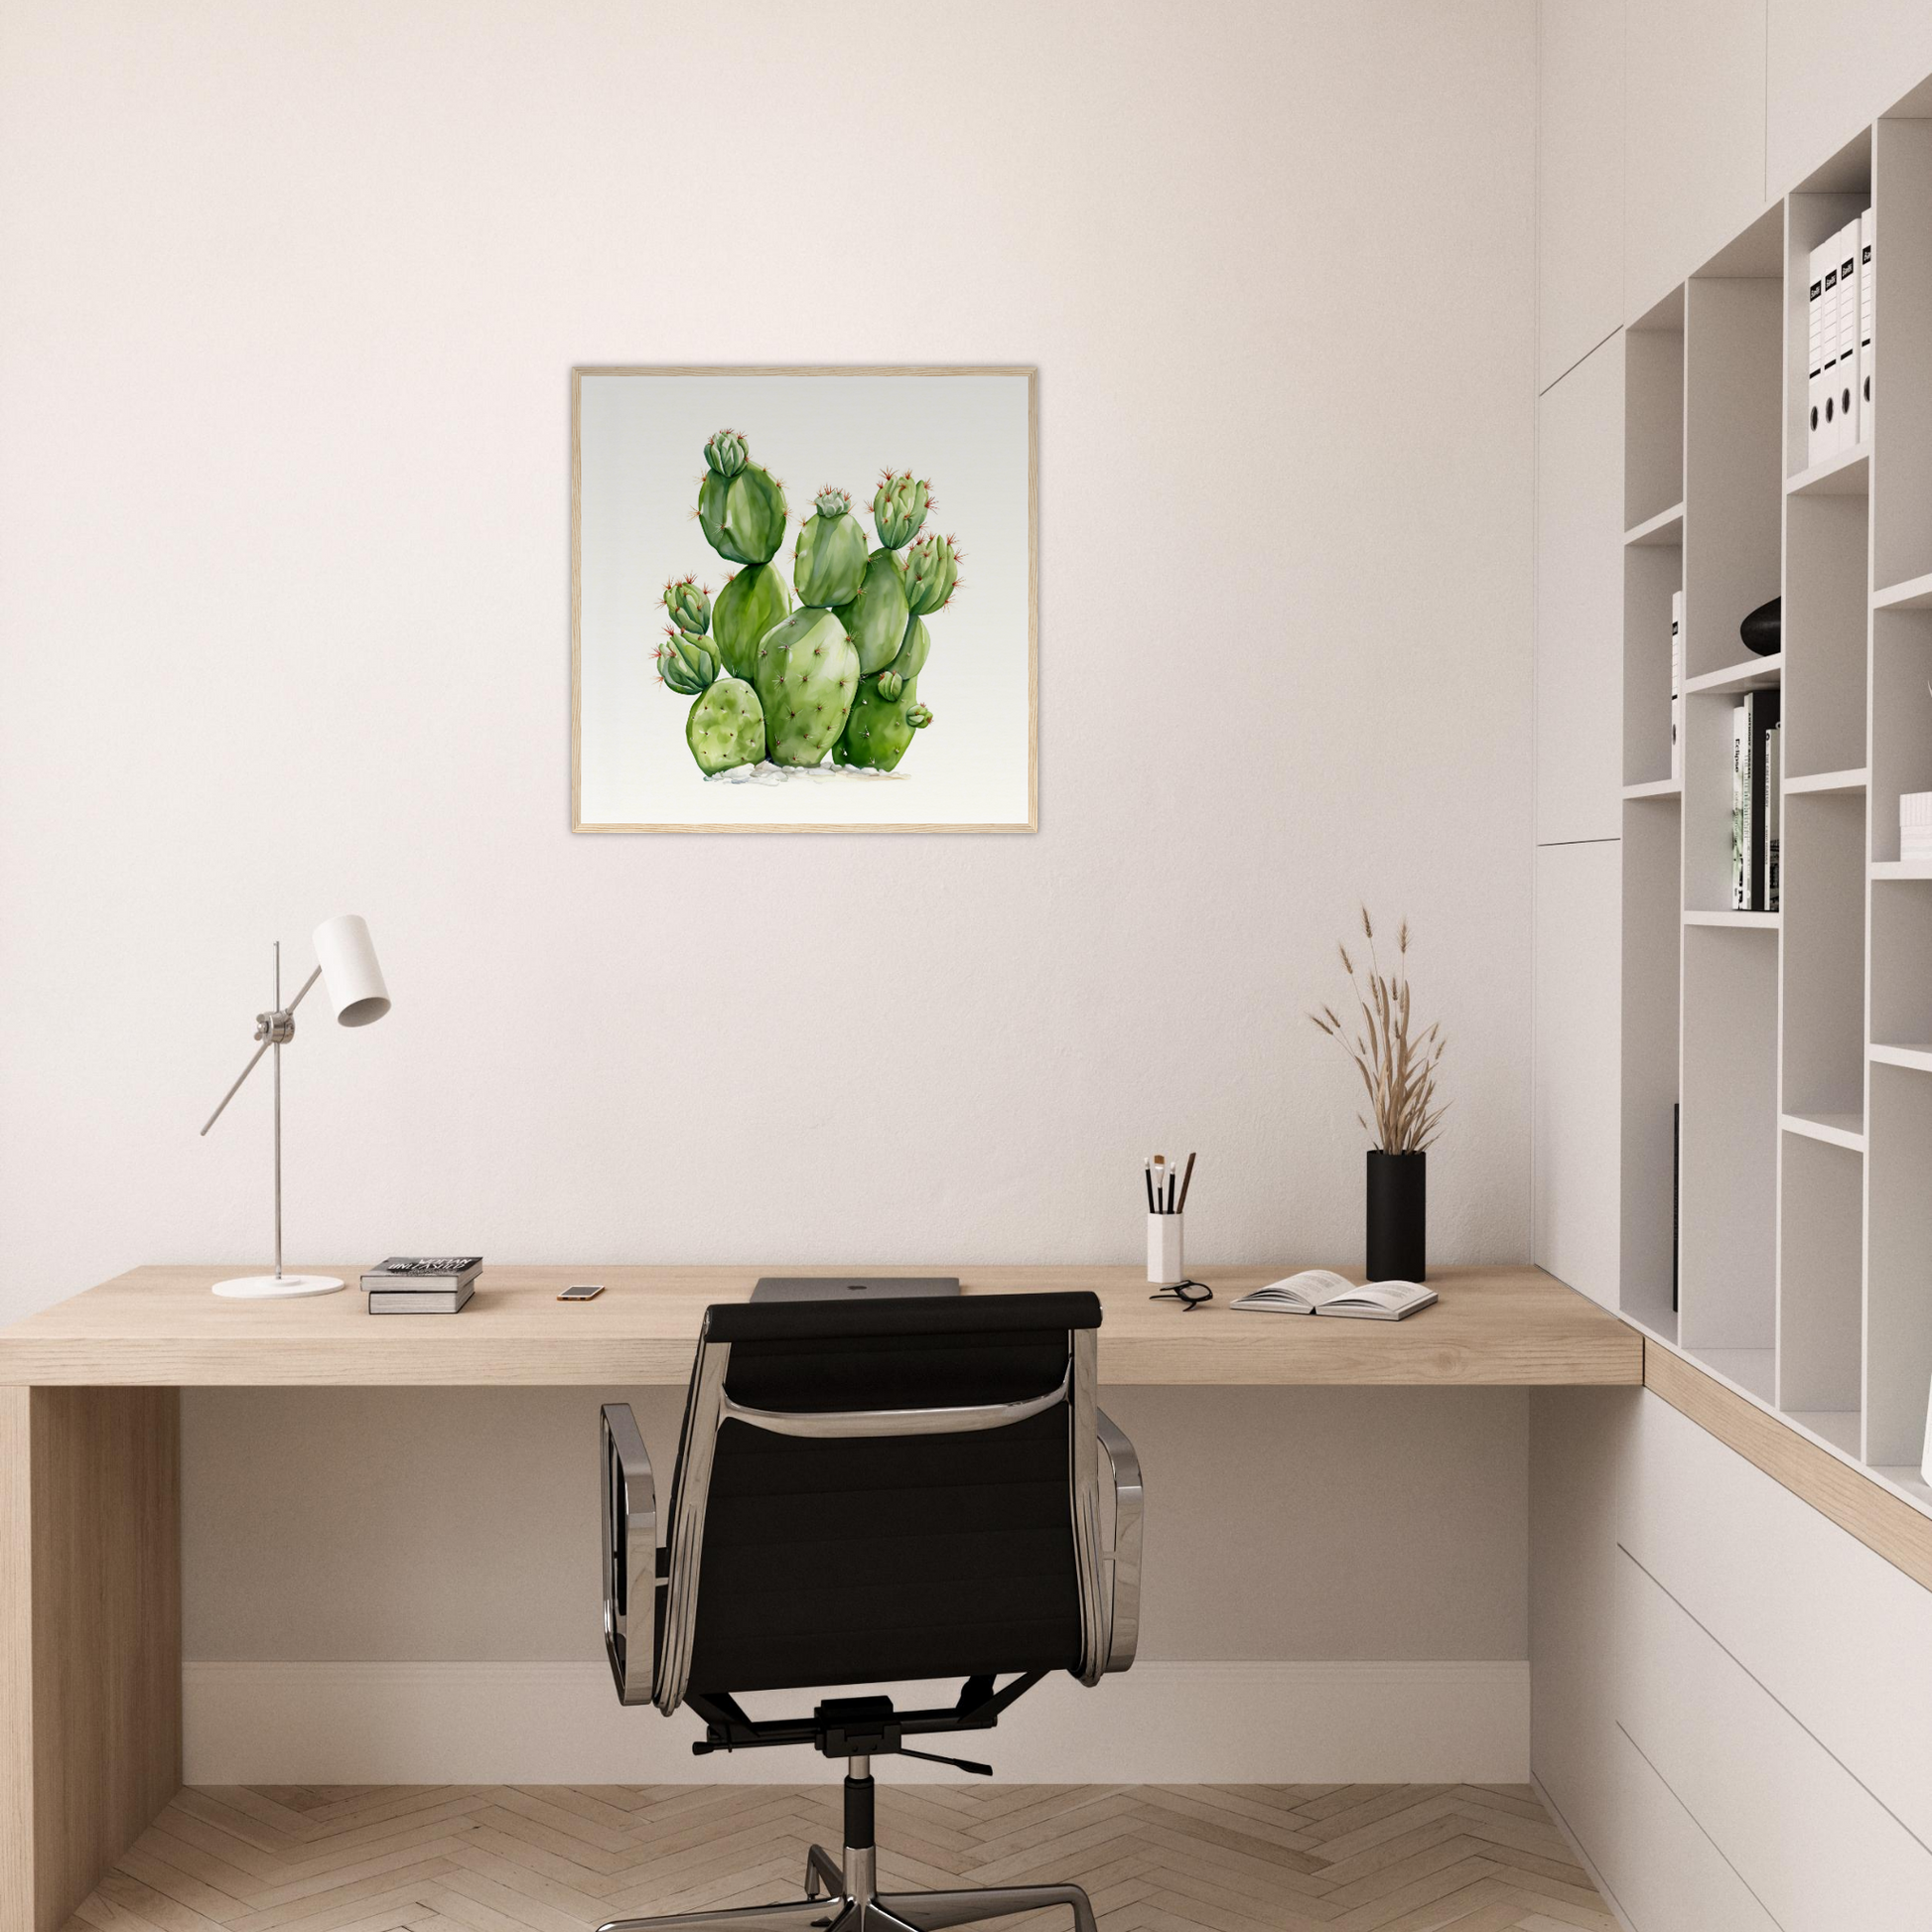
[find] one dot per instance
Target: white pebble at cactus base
(777, 690)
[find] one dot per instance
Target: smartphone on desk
(582, 1291)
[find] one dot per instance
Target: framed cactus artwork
(803, 600)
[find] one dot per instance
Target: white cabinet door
(1835, 64)
(1575, 1112)
(1693, 137)
(1578, 180)
(1580, 602)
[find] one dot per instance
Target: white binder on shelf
(1866, 300)
(1828, 435)
(1677, 687)
(1848, 337)
(1815, 444)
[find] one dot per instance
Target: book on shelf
(1740, 810)
(1677, 687)
(423, 1274)
(1773, 808)
(1751, 817)
(420, 1300)
(1676, 1193)
(1868, 302)
(1320, 1290)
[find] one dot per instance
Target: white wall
(291, 301)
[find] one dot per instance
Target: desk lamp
(353, 983)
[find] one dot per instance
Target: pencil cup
(1165, 1265)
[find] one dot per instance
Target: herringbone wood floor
(561, 1858)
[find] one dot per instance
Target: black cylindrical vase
(1398, 1216)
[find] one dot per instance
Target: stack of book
(422, 1283)
(1839, 313)
(1754, 803)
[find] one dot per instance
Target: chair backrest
(886, 1491)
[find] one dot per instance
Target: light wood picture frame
(884, 616)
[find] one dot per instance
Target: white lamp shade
(351, 976)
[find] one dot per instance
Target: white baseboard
(561, 1723)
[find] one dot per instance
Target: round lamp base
(276, 1288)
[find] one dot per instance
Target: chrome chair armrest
(629, 1555)
(1124, 1559)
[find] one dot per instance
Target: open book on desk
(1320, 1290)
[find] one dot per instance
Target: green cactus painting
(774, 628)
(837, 675)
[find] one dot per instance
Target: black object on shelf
(1676, 1193)
(1763, 631)
(1398, 1216)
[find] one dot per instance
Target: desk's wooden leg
(90, 1637)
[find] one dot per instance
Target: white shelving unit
(1797, 1043)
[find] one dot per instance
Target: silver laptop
(847, 1288)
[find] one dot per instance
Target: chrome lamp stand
(346, 965)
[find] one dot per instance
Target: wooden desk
(161, 1327)
(90, 1462)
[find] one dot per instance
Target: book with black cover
(413, 1274)
(1760, 716)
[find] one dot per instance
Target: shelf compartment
(1821, 1260)
(1753, 675)
(1835, 1130)
(1734, 472)
(1736, 922)
(1825, 577)
(1653, 414)
(1728, 1238)
(1823, 922)
(1915, 593)
(1901, 719)
(1846, 474)
(1653, 940)
(1901, 964)
(1664, 531)
(1813, 213)
(1651, 575)
(1901, 464)
(1826, 781)
(1898, 1296)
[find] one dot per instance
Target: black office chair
(867, 1494)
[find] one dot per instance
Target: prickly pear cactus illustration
(725, 727)
(689, 604)
(741, 506)
(838, 673)
(807, 674)
(829, 564)
(752, 601)
(687, 664)
(931, 574)
(880, 731)
(899, 507)
(875, 620)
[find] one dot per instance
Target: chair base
(856, 1908)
